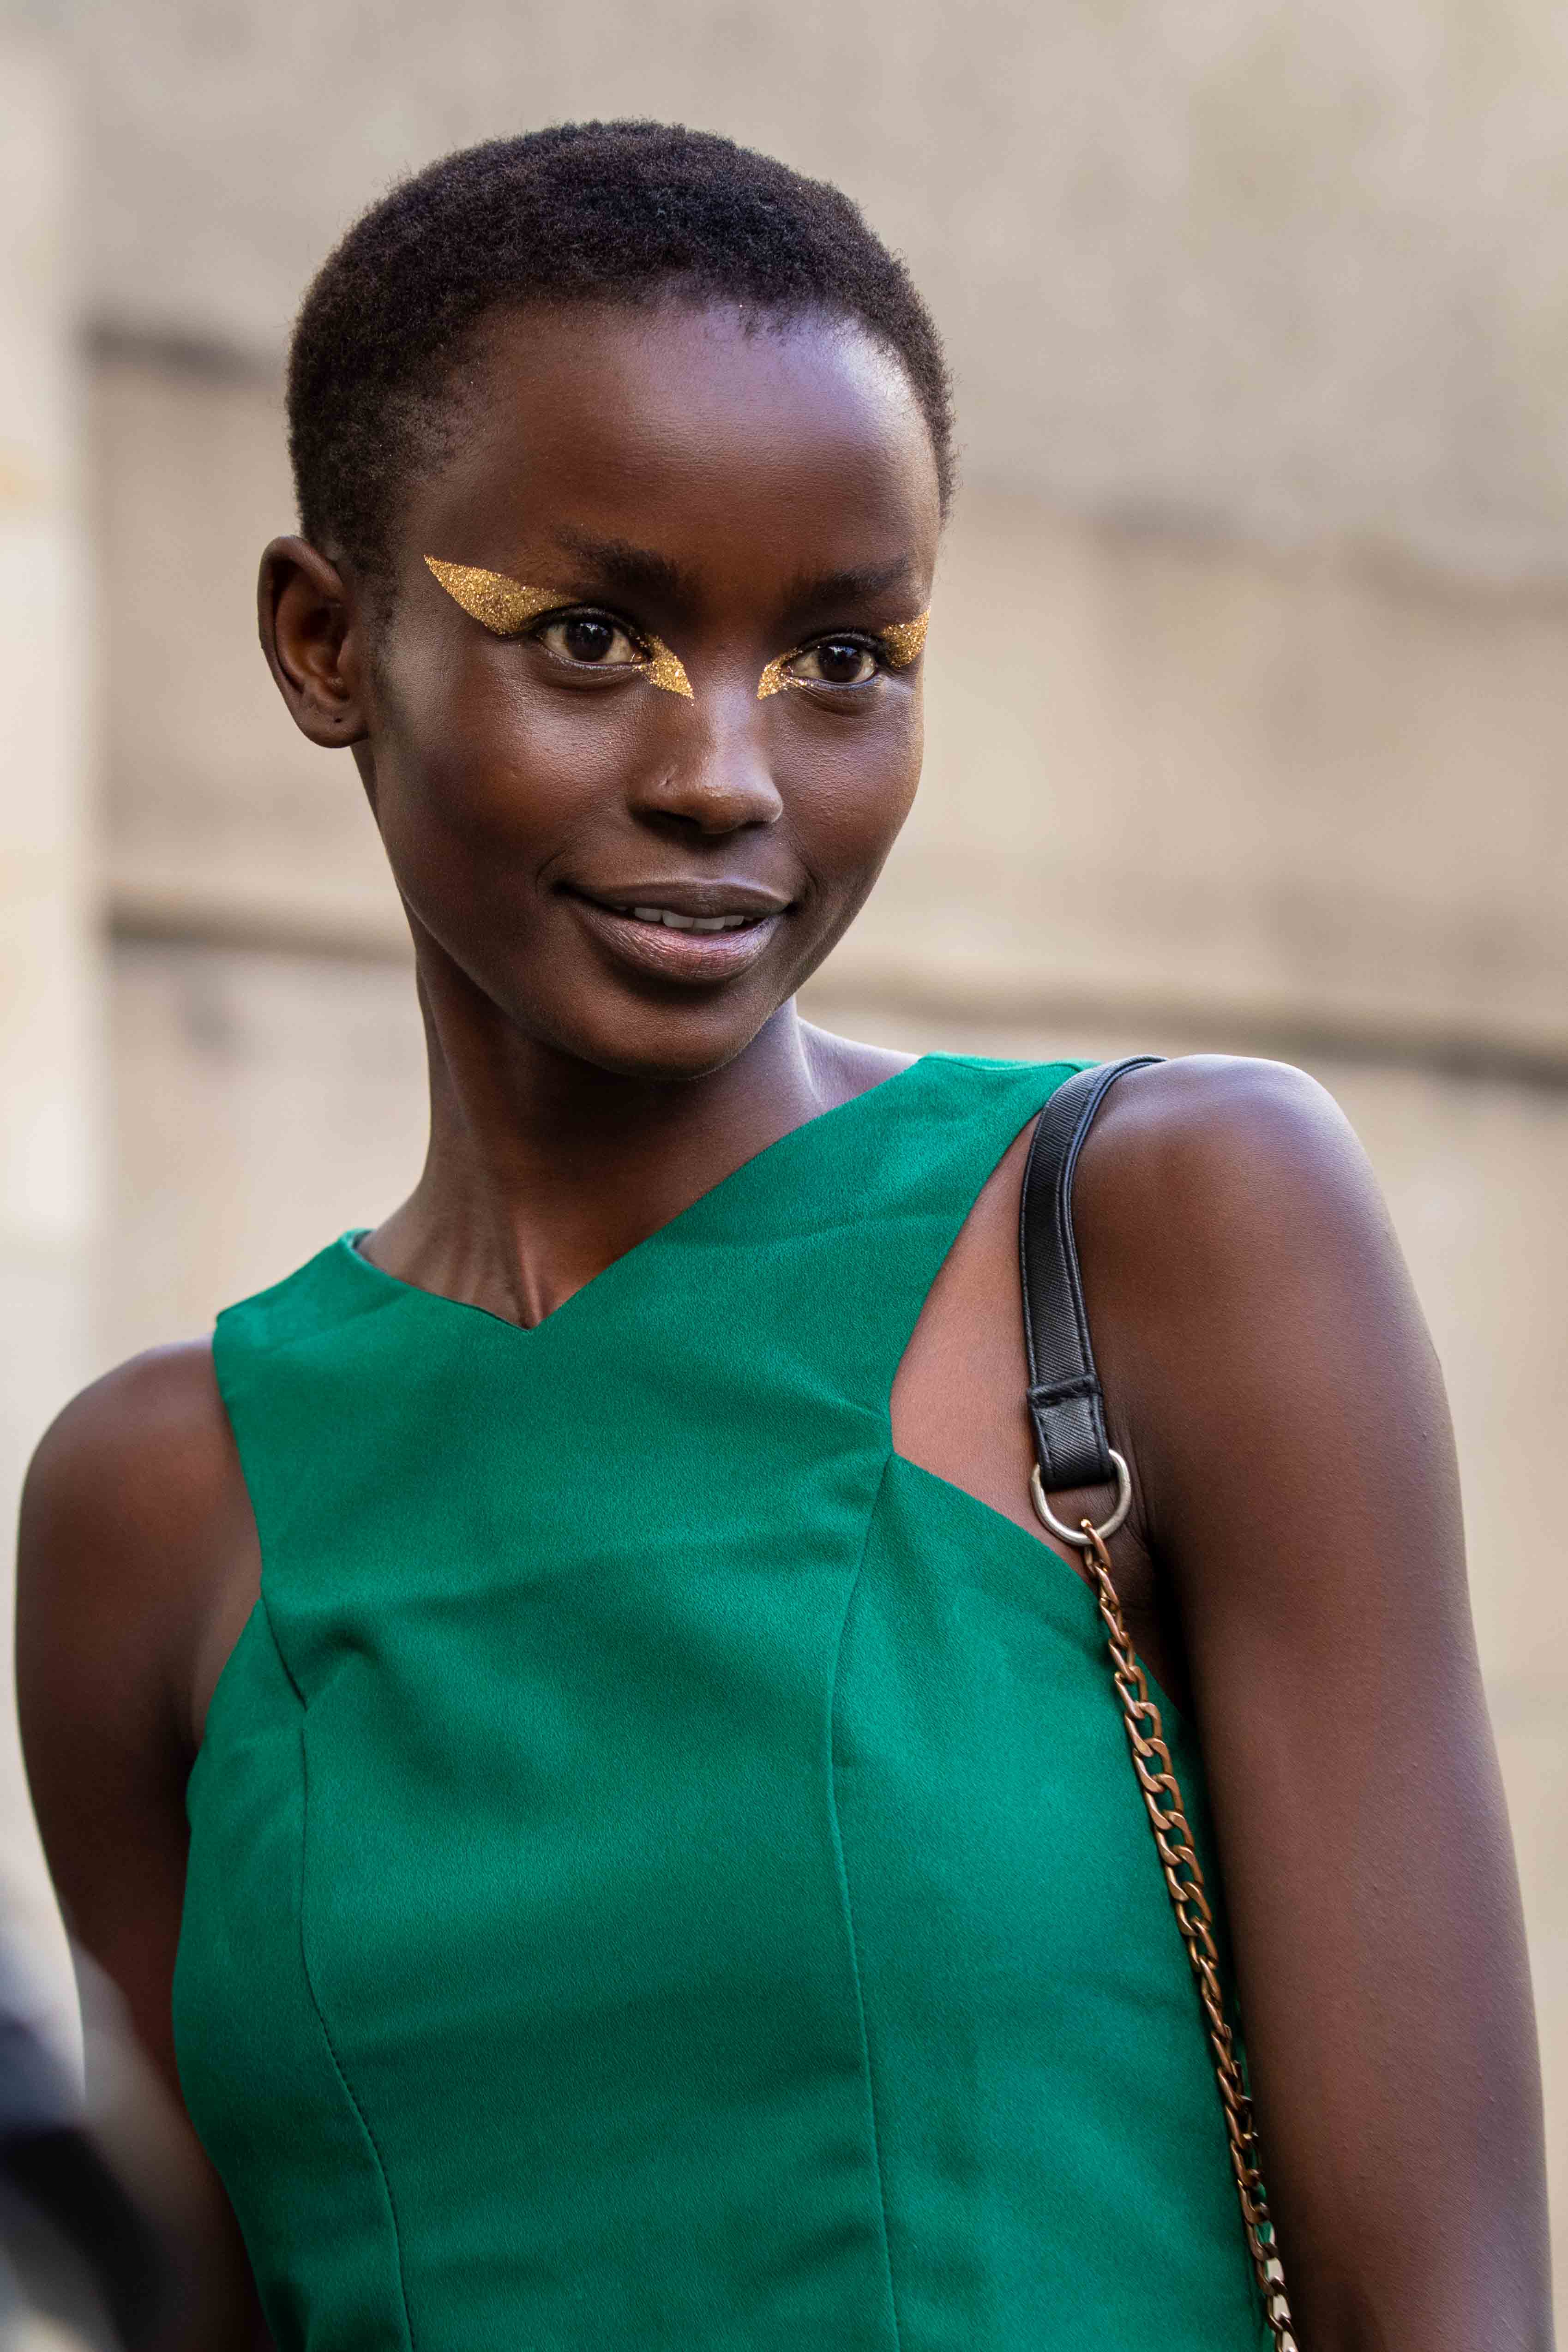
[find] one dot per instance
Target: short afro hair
(616, 212)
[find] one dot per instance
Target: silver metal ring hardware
(1077, 1535)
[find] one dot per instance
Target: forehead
(727, 446)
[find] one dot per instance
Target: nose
(712, 773)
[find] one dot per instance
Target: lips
(699, 932)
(674, 922)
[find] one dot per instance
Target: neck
(541, 1170)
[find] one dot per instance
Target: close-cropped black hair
(618, 212)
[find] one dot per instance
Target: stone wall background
(1247, 687)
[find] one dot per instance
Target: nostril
(710, 802)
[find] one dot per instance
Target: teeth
(675, 922)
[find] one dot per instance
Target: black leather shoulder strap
(1065, 1402)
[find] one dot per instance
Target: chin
(667, 1047)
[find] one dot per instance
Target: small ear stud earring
(503, 607)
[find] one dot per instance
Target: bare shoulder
(136, 1566)
(1253, 1310)
(1218, 1169)
(133, 1458)
(134, 1526)
(1228, 1121)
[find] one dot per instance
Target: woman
(663, 1864)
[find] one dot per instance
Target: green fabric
(664, 1870)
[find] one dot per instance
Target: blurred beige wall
(50, 972)
(1247, 676)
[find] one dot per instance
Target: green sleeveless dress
(665, 1875)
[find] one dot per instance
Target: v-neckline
(348, 1244)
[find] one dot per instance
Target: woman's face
(674, 486)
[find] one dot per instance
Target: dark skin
(1293, 1570)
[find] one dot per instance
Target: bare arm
(134, 1555)
(1271, 1377)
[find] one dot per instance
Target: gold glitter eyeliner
(665, 669)
(902, 642)
(504, 606)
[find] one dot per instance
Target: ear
(311, 643)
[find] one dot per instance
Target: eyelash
(778, 676)
(628, 629)
(866, 641)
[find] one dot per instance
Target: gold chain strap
(1184, 1882)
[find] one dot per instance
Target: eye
(591, 639)
(833, 661)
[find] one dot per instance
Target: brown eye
(591, 638)
(834, 661)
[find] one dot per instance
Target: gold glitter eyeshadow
(665, 669)
(903, 641)
(504, 606)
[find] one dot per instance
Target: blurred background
(1248, 672)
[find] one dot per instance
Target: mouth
(674, 921)
(701, 932)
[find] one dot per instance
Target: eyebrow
(855, 585)
(635, 571)
(640, 572)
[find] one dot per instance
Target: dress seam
(267, 1618)
(338, 2068)
(849, 1908)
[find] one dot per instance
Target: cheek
(469, 757)
(860, 788)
